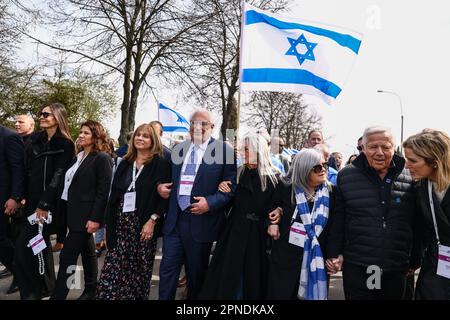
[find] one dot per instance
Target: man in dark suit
(196, 206)
(12, 187)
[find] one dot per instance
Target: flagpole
(240, 70)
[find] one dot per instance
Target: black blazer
(88, 192)
(148, 200)
(12, 166)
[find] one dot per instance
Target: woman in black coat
(428, 159)
(84, 195)
(309, 173)
(48, 156)
(238, 269)
(133, 219)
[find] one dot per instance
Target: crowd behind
(281, 224)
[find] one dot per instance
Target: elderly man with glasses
(196, 210)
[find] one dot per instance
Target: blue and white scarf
(313, 276)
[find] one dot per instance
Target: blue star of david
(309, 55)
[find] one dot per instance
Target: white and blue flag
(291, 55)
(172, 121)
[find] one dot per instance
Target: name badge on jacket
(186, 184)
(297, 234)
(443, 268)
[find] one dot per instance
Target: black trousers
(6, 246)
(355, 278)
(75, 244)
(32, 285)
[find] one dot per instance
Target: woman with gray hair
(297, 259)
(238, 269)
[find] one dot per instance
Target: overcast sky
(405, 49)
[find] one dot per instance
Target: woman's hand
(147, 230)
(224, 186)
(41, 215)
(275, 215)
(274, 231)
(92, 226)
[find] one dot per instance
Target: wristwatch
(154, 217)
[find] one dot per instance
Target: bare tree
(286, 112)
(214, 59)
(136, 40)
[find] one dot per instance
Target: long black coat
(240, 256)
(286, 258)
(148, 200)
(89, 190)
(429, 284)
(47, 161)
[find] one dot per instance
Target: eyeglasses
(44, 114)
(359, 148)
(318, 168)
(203, 123)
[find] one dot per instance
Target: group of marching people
(278, 235)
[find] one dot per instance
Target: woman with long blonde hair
(428, 159)
(238, 269)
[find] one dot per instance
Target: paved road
(336, 292)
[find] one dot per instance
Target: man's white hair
(202, 110)
(377, 129)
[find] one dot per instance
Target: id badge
(186, 184)
(297, 235)
(37, 244)
(129, 202)
(443, 268)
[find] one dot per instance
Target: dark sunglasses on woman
(318, 168)
(44, 114)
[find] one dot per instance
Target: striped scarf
(313, 276)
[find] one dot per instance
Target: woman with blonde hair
(238, 269)
(133, 219)
(428, 159)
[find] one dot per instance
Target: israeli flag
(172, 121)
(291, 55)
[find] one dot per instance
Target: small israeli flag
(291, 55)
(172, 121)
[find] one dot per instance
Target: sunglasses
(318, 168)
(44, 114)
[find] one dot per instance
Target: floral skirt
(127, 272)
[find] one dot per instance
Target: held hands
(274, 231)
(92, 226)
(148, 230)
(11, 207)
(41, 215)
(200, 207)
(334, 264)
(224, 186)
(164, 190)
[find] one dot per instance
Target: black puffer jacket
(363, 231)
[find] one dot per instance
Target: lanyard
(433, 214)
(135, 176)
(73, 170)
